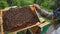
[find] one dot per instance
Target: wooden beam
(2, 30)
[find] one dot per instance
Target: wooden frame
(37, 24)
(2, 30)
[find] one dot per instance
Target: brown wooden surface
(2, 30)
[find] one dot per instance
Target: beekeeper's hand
(37, 7)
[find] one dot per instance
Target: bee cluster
(19, 18)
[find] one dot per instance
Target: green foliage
(45, 4)
(48, 5)
(3, 4)
(26, 3)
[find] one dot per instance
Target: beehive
(18, 18)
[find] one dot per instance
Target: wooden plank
(0, 13)
(2, 30)
(43, 24)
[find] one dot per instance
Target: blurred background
(45, 4)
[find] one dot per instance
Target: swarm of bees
(19, 18)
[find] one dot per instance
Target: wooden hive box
(19, 18)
